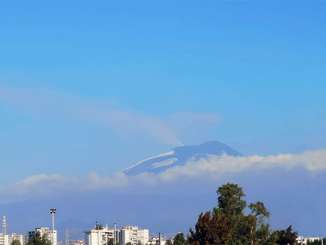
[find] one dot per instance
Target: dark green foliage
(230, 199)
(229, 224)
(179, 239)
(284, 237)
(210, 229)
(36, 239)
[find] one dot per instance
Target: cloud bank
(211, 168)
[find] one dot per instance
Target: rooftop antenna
(4, 225)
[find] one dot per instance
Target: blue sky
(96, 86)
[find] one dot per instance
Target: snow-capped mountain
(180, 156)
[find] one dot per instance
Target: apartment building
(133, 235)
(9, 239)
(101, 235)
(46, 232)
(4, 239)
(305, 240)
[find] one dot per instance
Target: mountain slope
(180, 156)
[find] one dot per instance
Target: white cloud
(46, 103)
(43, 103)
(211, 168)
(37, 185)
(313, 161)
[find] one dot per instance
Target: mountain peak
(179, 156)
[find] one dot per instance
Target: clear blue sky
(258, 66)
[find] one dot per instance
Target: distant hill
(180, 156)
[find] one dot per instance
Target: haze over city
(135, 112)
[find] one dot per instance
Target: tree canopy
(35, 238)
(179, 239)
(233, 222)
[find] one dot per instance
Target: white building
(105, 236)
(16, 237)
(76, 242)
(47, 233)
(8, 239)
(156, 241)
(4, 239)
(101, 236)
(304, 240)
(133, 235)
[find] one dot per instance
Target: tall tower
(53, 211)
(4, 225)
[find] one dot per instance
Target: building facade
(157, 241)
(76, 242)
(133, 235)
(4, 239)
(9, 239)
(47, 233)
(101, 236)
(111, 236)
(16, 237)
(305, 240)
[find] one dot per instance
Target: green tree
(225, 224)
(36, 239)
(179, 239)
(286, 237)
(260, 230)
(209, 229)
(230, 223)
(230, 199)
